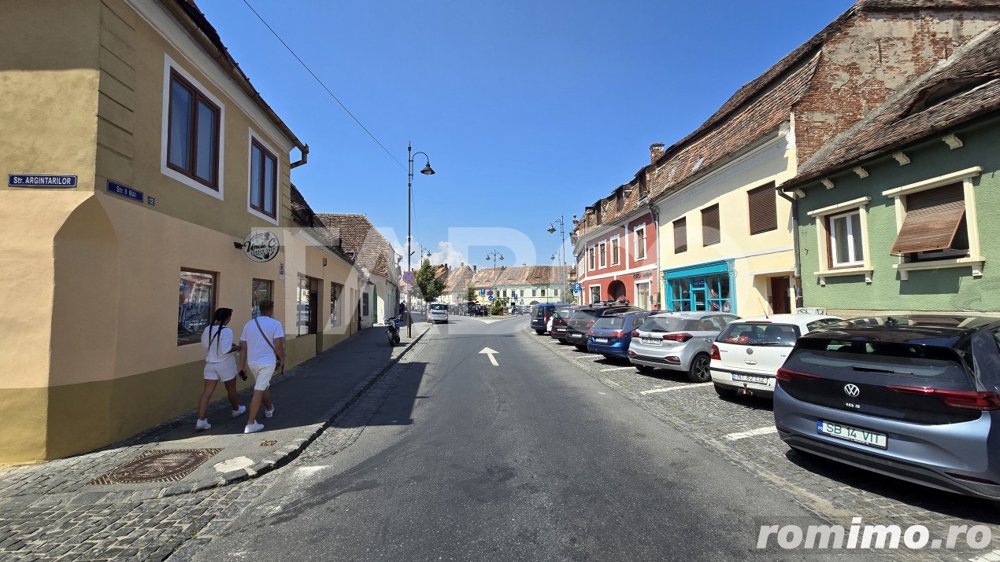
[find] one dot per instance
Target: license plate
(601, 340)
(853, 434)
(739, 377)
(651, 341)
(578, 335)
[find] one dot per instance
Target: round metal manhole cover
(159, 465)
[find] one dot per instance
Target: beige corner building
(138, 159)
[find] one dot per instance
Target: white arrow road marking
(678, 387)
(489, 353)
(752, 433)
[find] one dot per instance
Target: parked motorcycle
(392, 330)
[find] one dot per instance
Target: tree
(470, 295)
(428, 283)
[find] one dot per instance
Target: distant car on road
(540, 314)
(438, 312)
(748, 353)
(913, 397)
(678, 341)
(611, 335)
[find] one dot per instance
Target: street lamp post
(494, 255)
(427, 171)
(561, 221)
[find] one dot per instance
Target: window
(640, 242)
(192, 132)
(595, 294)
(763, 209)
(307, 305)
(364, 304)
(543, 292)
(590, 258)
(261, 290)
(197, 304)
(603, 254)
(642, 295)
(263, 179)
(846, 244)
(710, 225)
(934, 226)
(615, 252)
(680, 235)
(336, 289)
(533, 292)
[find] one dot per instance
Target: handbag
(269, 344)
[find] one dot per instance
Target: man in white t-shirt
(262, 350)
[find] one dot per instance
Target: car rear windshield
(662, 324)
(609, 323)
(929, 364)
(586, 313)
(744, 333)
(439, 307)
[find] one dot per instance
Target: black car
(540, 314)
(583, 317)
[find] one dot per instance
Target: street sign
(482, 292)
(491, 298)
(408, 278)
(577, 288)
(124, 191)
(41, 180)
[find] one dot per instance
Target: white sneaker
(253, 428)
(269, 413)
(240, 411)
(201, 425)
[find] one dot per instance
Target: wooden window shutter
(680, 235)
(710, 225)
(763, 209)
(932, 220)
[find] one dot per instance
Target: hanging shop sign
(261, 246)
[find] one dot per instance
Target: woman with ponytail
(220, 365)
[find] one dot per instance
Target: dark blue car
(611, 335)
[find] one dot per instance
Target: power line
(324, 86)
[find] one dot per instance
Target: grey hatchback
(913, 397)
(679, 341)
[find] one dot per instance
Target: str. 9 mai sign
(261, 246)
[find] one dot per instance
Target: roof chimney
(475, 268)
(655, 151)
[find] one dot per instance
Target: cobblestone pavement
(833, 491)
(138, 525)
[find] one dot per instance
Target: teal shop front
(706, 286)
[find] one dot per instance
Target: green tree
(429, 285)
(470, 295)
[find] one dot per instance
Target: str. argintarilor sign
(261, 246)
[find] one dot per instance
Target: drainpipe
(661, 292)
(795, 244)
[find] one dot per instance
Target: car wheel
(699, 371)
(645, 369)
(539, 332)
(725, 392)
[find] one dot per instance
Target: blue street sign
(408, 278)
(577, 288)
(482, 292)
(125, 191)
(42, 180)
(491, 298)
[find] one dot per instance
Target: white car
(438, 312)
(746, 355)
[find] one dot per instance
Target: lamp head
(427, 171)
(551, 229)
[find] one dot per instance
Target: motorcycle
(392, 330)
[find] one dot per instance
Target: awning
(932, 220)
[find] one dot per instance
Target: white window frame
(640, 251)
(824, 236)
(168, 65)
(649, 293)
(255, 136)
(852, 260)
(590, 293)
(614, 243)
(591, 258)
(602, 255)
(975, 259)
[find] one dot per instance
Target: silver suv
(679, 341)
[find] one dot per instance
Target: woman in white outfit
(220, 365)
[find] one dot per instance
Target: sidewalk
(174, 459)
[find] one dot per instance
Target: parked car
(560, 324)
(438, 312)
(583, 318)
(679, 341)
(748, 353)
(611, 335)
(540, 314)
(913, 397)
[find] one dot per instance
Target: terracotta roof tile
(359, 237)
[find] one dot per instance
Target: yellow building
(141, 165)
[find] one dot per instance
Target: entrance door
(779, 295)
(699, 297)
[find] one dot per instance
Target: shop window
(197, 304)
(710, 293)
(846, 241)
(336, 290)
(307, 305)
(680, 235)
(261, 290)
(263, 179)
(763, 208)
(710, 226)
(935, 225)
(192, 132)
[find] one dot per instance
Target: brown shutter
(680, 236)
(932, 220)
(763, 209)
(710, 225)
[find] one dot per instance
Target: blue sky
(528, 109)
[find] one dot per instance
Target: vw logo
(749, 351)
(852, 390)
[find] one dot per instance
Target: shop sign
(261, 246)
(124, 191)
(40, 180)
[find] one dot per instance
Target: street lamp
(561, 221)
(494, 255)
(427, 171)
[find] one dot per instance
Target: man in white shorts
(262, 351)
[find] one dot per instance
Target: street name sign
(40, 180)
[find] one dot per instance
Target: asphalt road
(531, 459)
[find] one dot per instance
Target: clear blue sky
(528, 109)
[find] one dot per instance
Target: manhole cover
(161, 465)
